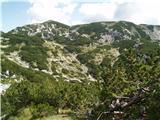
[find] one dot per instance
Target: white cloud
(138, 11)
(77, 22)
(98, 11)
(58, 10)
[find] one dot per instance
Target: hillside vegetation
(96, 71)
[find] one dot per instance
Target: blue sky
(16, 13)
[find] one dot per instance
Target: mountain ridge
(47, 39)
(83, 23)
(65, 30)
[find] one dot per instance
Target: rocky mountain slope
(54, 66)
(68, 53)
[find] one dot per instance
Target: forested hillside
(96, 71)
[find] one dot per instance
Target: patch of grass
(58, 117)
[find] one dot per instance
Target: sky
(14, 13)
